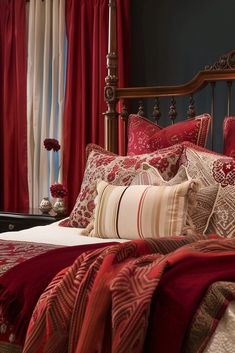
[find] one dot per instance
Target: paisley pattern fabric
(144, 136)
(229, 133)
(117, 170)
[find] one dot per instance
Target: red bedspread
(15, 252)
(190, 272)
(22, 285)
(134, 297)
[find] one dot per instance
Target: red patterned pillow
(144, 136)
(117, 170)
(229, 133)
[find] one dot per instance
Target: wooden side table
(13, 221)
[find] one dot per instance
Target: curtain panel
(87, 35)
(45, 93)
(13, 129)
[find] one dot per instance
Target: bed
(145, 281)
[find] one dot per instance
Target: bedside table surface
(18, 220)
(31, 213)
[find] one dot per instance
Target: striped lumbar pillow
(143, 211)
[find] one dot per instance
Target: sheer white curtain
(45, 92)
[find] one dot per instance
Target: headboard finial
(225, 62)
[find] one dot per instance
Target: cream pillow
(149, 175)
(143, 211)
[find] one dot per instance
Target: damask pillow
(205, 199)
(144, 136)
(143, 211)
(229, 133)
(117, 170)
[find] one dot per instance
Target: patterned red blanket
(117, 298)
(15, 252)
(112, 299)
(21, 286)
(191, 270)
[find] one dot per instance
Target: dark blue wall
(172, 40)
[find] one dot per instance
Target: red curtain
(13, 128)
(87, 33)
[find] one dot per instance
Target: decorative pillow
(91, 147)
(229, 133)
(144, 136)
(117, 170)
(213, 169)
(205, 203)
(151, 176)
(143, 211)
(205, 199)
(209, 167)
(222, 221)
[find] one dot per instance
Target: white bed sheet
(54, 234)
